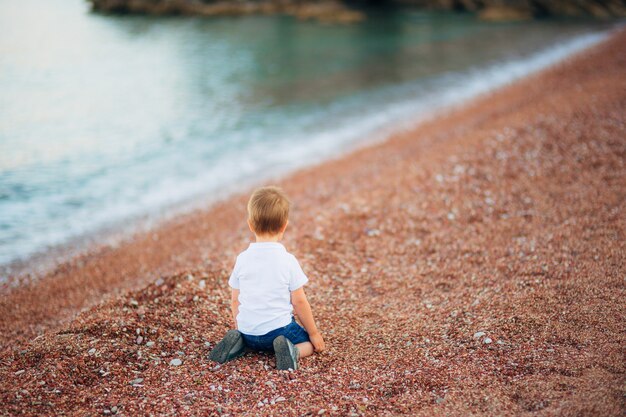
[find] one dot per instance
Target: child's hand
(318, 342)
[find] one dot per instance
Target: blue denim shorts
(293, 331)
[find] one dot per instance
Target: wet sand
(472, 265)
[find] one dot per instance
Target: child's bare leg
(305, 349)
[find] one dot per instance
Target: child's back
(265, 274)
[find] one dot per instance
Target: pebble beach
(473, 265)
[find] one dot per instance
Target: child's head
(268, 211)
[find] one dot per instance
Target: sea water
(105, 119)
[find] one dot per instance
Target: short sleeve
(233, 281)
(297, 278)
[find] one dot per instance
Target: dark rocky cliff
(326, 10)
(346, 11)
(511, 9)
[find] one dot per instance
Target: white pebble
(478, 335)
(176, 362)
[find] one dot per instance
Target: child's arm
(303, 310)
(234, 304)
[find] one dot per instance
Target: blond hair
(268, 210)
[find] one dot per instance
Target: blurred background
(118, 110)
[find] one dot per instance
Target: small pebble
(149, 344)
(135, 382)
(487, 340)
(202, 284)
(176, 362)
(91, 351)
(478, 335)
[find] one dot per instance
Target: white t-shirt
(265, 274)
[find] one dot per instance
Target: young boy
(267, 284)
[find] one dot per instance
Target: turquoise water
(104, 119)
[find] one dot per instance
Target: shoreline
(501, 217)
(405, 118)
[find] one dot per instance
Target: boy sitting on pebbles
(267, 284)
